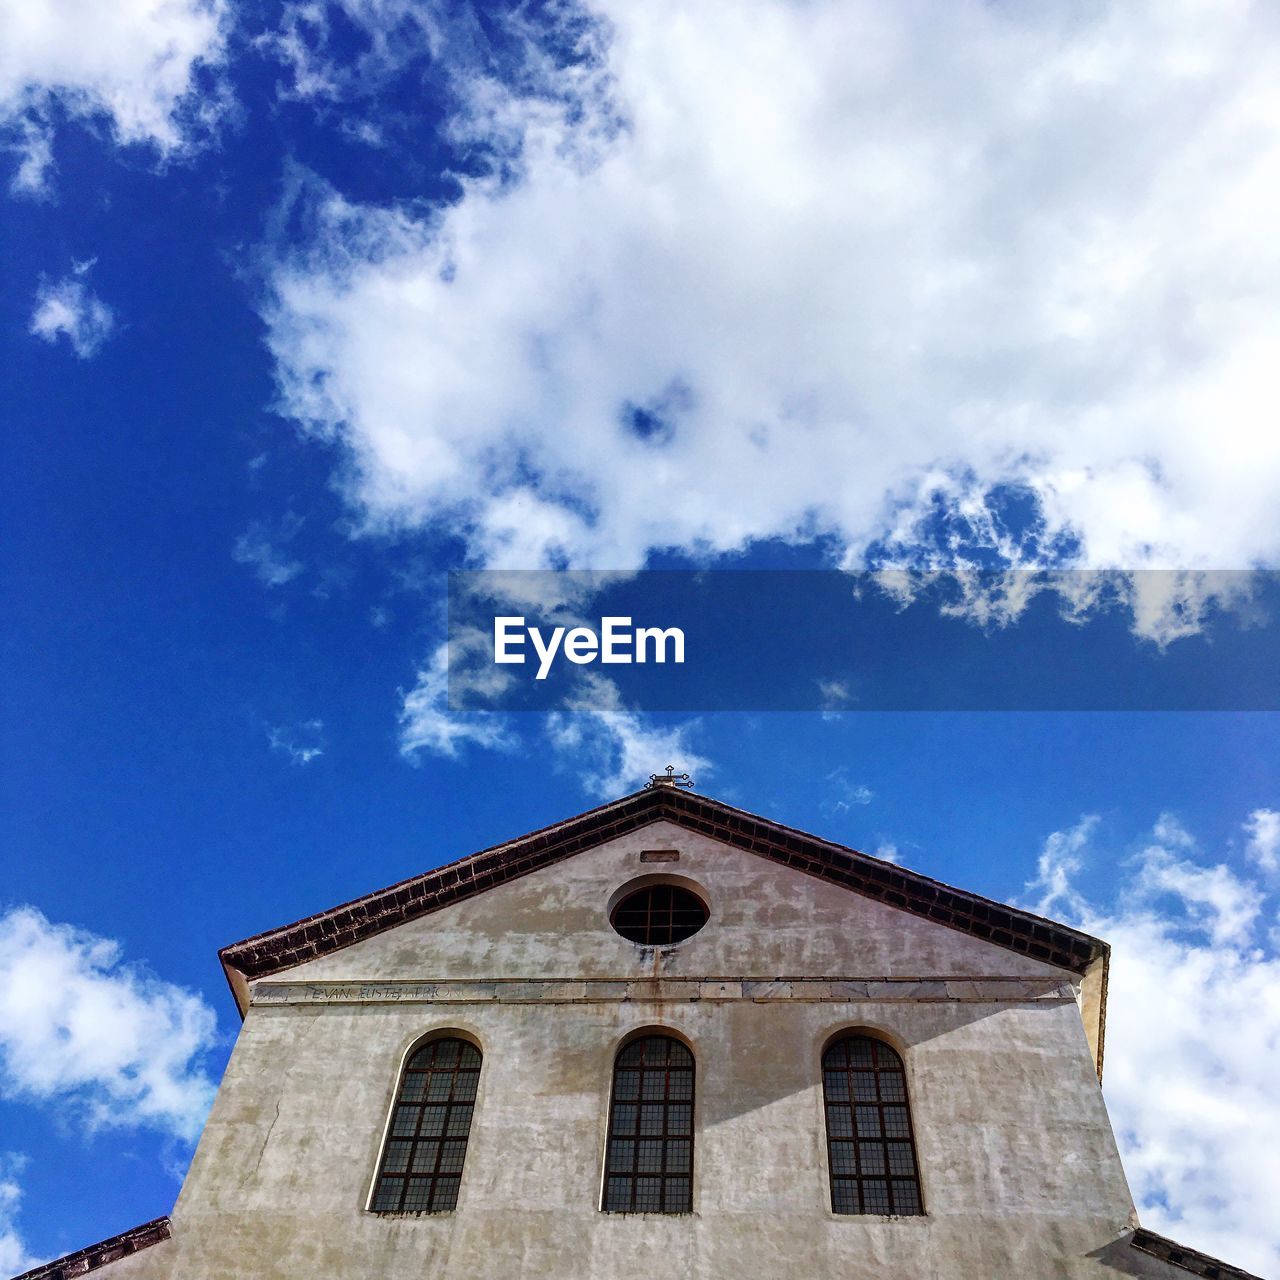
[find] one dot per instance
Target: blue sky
(303, 306)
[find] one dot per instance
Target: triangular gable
(993, 922)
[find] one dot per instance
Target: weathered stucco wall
(1020, 1173)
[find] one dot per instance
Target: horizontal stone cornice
(847, 990)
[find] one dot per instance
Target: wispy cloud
(844, 793)
(14, 1254)
(428, 725)
(301, 742)
(612, 749)
(32, 142)
(67, 307)
(1193, 1035)
(104, 1039)
(264, 548)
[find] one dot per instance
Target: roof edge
(103, 1253)
(1190, 1260)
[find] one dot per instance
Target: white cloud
(68, 307)
(263, 549)
(613, 750)
(1193, 1039)
(301, 743)
(132, 62)
(105, 1040)
(1216, 900)
(14, 1254)
(862, 268)
(1263, 829)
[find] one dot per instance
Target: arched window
(870, 1145)
(649, 1164)
(427, 1143)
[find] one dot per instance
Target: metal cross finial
(669, 779)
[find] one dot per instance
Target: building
(664, 1037)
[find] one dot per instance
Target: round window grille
(659, 914)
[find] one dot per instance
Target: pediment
(784, 904)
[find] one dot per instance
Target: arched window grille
(870, 1144)
(422, 1161)
(649, 1164)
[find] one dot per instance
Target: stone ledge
(924, 990)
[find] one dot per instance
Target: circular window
(659, 914)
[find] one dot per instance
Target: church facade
(665, 1037)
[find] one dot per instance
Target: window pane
(891, 1087)
(648, 1195)
(906, 1196)
(864, 1086)
(417, 1196)
(678, 1197)
(895, 1122)
(442, 1074)
(844, 1196)
(414, 1088)
(868, 1120)
(649, 1156)
(875, 1195)
(406, 1121)
(446, 1195)
(840, 1122)
(651, 1120)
